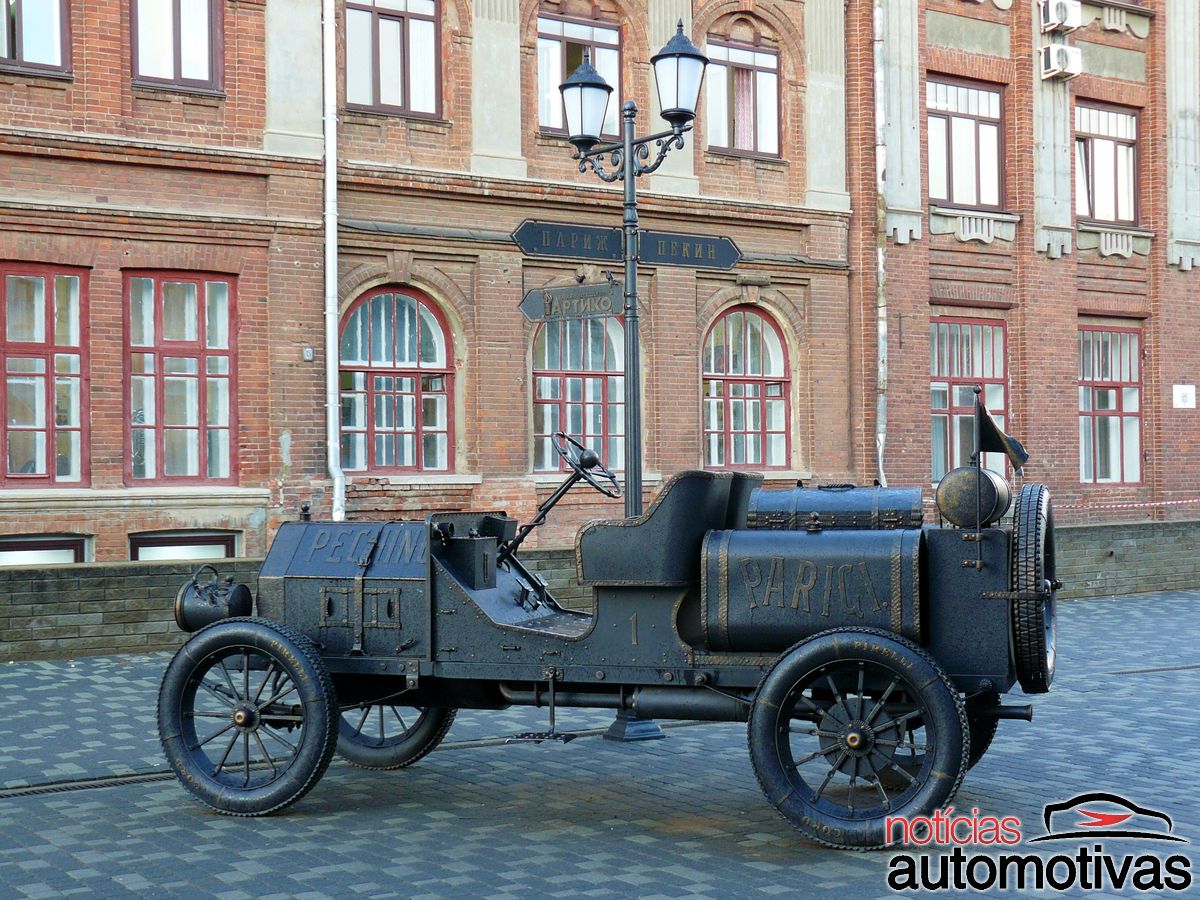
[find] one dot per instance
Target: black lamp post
(678, 72)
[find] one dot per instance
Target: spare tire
(1032, 572)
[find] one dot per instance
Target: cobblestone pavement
(672, 818)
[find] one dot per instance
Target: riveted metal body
(768, 590)
(838, 506)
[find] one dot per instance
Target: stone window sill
(981, 225)
(1114, 240)
(416, 480)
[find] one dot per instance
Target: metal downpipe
(329, 215)
(881, 237)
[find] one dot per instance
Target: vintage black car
(866, 650)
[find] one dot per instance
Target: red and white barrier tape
(1146, 505)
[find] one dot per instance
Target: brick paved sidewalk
(672, 818)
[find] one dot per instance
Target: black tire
(263, 684)
(1031, 571)
(852, 691)
(983, 728)
(385, 736)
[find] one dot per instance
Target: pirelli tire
(1032, 572)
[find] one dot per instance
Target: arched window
(745, 392)
(397, 382)
(579, 388)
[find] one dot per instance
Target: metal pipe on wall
(881, 237)
(329, 130)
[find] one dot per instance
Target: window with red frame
(397, 383)
(579, 388)
(177, 42)
(181, 377)
(1110, 405)
(43, 408)
(746, 388)
(964, 353)
(35, 35)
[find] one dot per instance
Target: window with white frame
(177, 42)
(965, 167)
(560, 48)
(1110, 410)
(392, 56)
(579, 388)
(742, 95)
(1105, 164)
(963, 354)
(43, 355)
(34, 35)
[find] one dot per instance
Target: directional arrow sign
(693, 251)
(562, 239)
(658, 248)
(577, 301)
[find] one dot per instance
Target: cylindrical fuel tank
(765, 590)
(834, 506)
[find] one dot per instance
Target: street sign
(693, 251)
(658, 248)
(562, 239)
(576, 301)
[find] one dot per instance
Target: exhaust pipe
(648, 702)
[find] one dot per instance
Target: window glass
(41, 364)
(963, 355)
(1105, 165)
(744, 408)
(180, 384)
(743, 99)
(572, 391)
(396, 406)
(392, 56)
(1109, 406)
(561, 47)
(963, 130)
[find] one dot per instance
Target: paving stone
(683, 817)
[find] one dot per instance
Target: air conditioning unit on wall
(1061, 61)
(1061, 15)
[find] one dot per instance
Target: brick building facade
(162, 254)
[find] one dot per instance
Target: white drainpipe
(332, 398)
(881, 302)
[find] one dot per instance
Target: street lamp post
(678, 72)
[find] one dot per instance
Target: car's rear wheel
(388, 736)
(831, 717)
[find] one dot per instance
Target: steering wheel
(585, 463)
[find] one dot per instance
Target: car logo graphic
(1102, 824)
